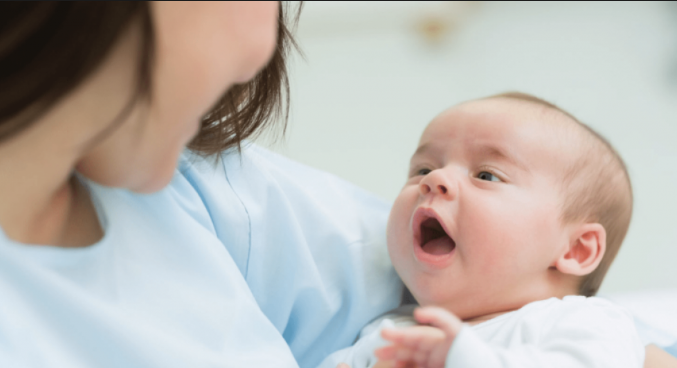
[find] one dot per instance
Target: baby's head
(509, 200)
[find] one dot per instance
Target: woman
(114, 255)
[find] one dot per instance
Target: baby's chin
(467, 309)
(477, 302)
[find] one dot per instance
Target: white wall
(370, 83)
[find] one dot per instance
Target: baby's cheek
(398, 229)
(399, 235)
(493, 240)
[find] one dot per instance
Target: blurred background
(374, 74)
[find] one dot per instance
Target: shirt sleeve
(597, 337)
(310, 246)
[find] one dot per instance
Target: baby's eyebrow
(428, 149)
(480, 149)
(501, 154)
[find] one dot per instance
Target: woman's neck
(41, 202)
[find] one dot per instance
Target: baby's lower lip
(437, 261)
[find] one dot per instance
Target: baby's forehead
(511, 110)
(535, 132)
(501, 117)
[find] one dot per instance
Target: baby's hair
(596, 188)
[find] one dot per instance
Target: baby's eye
(423, 172)
(485, 175)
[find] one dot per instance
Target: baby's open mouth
(434, 240)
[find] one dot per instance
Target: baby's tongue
(441, 245)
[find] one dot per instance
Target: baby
(511, 216)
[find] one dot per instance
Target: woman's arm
(658, 358)
(310, 246)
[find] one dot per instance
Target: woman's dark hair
(47, 49)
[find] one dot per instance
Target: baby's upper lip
(422, 214)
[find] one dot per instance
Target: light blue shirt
(251, 261)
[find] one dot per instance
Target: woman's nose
(436, 183)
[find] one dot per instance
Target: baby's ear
(587, 245)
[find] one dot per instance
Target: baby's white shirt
(571, 332)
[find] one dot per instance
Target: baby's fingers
(440, 318)
(416, 337)
(386, 352)
(391, 364)
(394, 353)
(403, 357)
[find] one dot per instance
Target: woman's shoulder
(264, 181)
(305, 235)
(269, 168)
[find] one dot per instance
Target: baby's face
(476, 228)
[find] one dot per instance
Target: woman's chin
(151, 187)
(153, 180)
(137, 180)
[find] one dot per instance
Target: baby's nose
(436, 183)
(439, 189)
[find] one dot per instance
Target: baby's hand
(425, 346)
